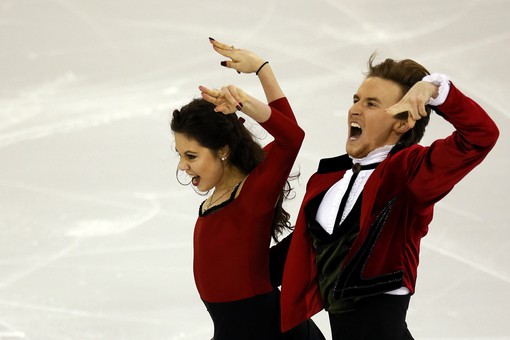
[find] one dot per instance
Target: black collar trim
(344, 162)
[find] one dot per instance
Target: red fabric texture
(231, 245)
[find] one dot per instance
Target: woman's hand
(241, 60)
(228, 99)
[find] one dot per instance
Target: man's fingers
(398, 111)
(423, 111)
(411, 122)
(404, 115)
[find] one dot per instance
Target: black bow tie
(356, 167)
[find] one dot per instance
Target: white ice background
(95, 231)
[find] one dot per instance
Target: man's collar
(344, 162)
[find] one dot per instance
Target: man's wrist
(441, 80)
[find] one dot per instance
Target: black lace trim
(212, 209)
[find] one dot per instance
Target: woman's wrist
(254, 108)
(261, 67)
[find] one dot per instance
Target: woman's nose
(183, 165)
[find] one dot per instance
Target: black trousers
(256, 318)
(380, 317)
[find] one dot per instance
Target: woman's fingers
(232, 96)
(227, 100)
(210, 92)
(219, 46)
(211, 95)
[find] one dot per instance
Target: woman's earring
(223, 159)
(178, 172)
(181, 182)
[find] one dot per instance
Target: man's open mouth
(355, 131)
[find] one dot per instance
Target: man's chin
(356, 152)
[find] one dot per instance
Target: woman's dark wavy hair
(214, 130)
(404, 73)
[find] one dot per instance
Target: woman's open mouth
(195, 180)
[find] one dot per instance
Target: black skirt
(256, 318)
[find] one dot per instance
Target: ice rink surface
(95, 231)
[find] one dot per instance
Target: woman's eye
(191, 157)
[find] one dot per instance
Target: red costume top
(397, 207)
(231, 244)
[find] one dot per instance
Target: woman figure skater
(236, 222)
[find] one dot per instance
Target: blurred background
(95, 231)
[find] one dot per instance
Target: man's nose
(356, 108)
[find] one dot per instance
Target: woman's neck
(231, 178)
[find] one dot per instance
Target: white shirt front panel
(328, 209)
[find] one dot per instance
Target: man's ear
(401, 127)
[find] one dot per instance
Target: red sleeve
(283, 105)
(268, 178)
(433, 171)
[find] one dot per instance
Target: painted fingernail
(241, 104)
(211, 39)
(223, 63)
(238, 108)
(238, 72)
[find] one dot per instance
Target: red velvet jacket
(397, 207)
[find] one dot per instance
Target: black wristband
(260, 68)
